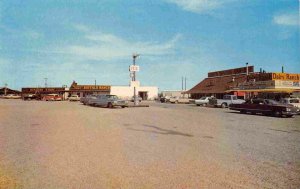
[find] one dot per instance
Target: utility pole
(184, 83)
(46, 82)
(5, 89)
(134, 56)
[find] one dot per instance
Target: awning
(278, 90)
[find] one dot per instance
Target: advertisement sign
(286, 77)
(134, 68)
(257, 85)
(287, 84)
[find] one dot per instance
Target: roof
(217, 84)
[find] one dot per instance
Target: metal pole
(5, 89)
(184, 83)
(134, 56)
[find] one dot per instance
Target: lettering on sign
(134, 68)
(286, 76)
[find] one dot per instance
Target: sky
(88, 40)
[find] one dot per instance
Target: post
(184, 83)
(282, 69)
(134, 56)
(5, 89)
(247, 71)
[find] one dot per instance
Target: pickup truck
(226, 101)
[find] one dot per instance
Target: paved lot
(67, 145)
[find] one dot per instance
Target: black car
(265, 107)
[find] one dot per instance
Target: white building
(126, 92)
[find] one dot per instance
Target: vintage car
(177, 100)
(85, 100)
(203, 101)
(265, 107)
(108, 101)
(74, 98)
(52, 97)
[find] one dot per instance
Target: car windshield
(273, 102)
(294, 100)
(112, 97)
(203, 98)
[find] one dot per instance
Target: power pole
(5, 89)
(134, 56)
(184, 83)
(46, 82)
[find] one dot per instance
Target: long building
(218, 83)
(245, 83)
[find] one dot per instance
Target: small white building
(126, 92)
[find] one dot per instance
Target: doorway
(143, 95)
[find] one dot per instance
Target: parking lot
(69, 145)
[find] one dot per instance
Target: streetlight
(134, 70)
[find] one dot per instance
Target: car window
(203, 98)
(294, 100)
(234, 98)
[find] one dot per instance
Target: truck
(226, 101)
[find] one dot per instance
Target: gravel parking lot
(69, 145)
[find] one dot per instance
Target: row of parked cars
(103, 100)
(286, 107)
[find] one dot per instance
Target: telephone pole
(46, 82)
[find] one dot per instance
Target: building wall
(126, 92)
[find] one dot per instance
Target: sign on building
(134, 68)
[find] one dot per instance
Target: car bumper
(290, 113)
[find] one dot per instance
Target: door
(143, 95)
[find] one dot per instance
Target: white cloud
(199, 6)
(287, 19)
(108, 46)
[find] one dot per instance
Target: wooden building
(83, 90)
(218, 83)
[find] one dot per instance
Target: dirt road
(64, 145)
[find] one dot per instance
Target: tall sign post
(133, 69)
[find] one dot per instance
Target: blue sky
(84, 40)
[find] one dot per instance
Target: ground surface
(62, 145)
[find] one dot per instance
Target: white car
(293, 101)
(177, 100)
(74, 98)
(203, 101)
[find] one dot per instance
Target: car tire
(204, 104)
(176, 102)
(223, 105)
(109, 105)
(277, 114)
(242, 111)
(123, 106)
(197, 104)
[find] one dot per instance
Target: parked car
(203, 101)
(30, 97)
(74, 98)
(108, 101)
(138, 99)
(226, 101)
(164, 99)
(177, 100)
(265, 107)
(85, 100)
(52, 97)
(293, 101)
(11, 96)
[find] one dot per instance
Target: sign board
(286, 77)
(257, 85)
(134, 68)
(287, 84)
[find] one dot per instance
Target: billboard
(286, 77)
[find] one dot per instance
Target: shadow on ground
(158, 130)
